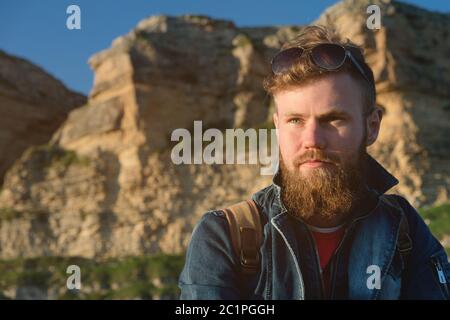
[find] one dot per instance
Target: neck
(325, 230)
(326, 222)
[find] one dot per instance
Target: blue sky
(36, 30)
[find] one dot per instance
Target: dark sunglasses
(328, 56)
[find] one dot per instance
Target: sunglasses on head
(328, 56)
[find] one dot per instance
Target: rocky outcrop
(33, 104)
(105, 186)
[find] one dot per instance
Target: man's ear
(373, 123)
(275, 119)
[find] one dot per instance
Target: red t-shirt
(327, 240)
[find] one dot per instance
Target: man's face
(323, 115)
(322, 135)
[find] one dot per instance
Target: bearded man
(329, 230)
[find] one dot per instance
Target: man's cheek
(292, 142)
(345, 146)
(287, 147)
(352, 137)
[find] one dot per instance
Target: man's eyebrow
(334, 114)
(293, 114)
(330, 114)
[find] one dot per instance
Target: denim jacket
(366, 265)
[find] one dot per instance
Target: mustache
(318, 155)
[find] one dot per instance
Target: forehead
(334, 92)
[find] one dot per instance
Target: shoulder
(407, 209)
(424, 242)
(265, 199)
(212, 224)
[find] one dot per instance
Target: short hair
(305, 71)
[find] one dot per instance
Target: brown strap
(246, 233)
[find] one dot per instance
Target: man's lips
(314, 163)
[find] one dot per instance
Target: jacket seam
(293, 255)
(388, 263)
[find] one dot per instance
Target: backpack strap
(404, 242)
(246, 233)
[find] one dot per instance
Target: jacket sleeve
(427, 270)
(210, 269)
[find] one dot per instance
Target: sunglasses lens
(285, 59)
(328, 56)
(356, 52)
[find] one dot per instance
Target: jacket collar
(377, 177)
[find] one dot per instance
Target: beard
(328, 193)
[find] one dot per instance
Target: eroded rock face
(106, 185)
(106, 205)
(33, 105)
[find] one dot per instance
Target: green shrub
(438, 219)
(144, 277)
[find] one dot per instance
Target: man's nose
(313, 136)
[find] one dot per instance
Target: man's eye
(294, 120)
(336, 121)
